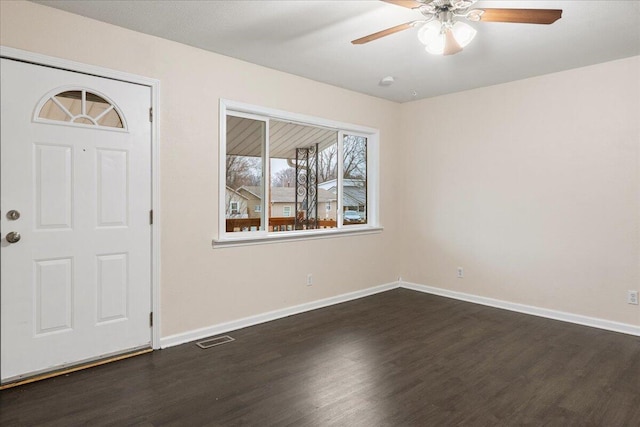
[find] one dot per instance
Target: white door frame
(154, 84)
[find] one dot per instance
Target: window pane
(51, 111)
(244, 172)
(297, 197)
(71, 100)
(328, 186)
(354, 183)
(111, 119)
(98, 107)
(70, 106)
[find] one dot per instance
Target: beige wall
(533, 188)
(202, 286)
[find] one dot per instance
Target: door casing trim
(154, 84)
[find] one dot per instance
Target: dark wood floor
(400, 358)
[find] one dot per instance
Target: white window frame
(286, 209)
(257, 208)
(236, 210)
(224, 239)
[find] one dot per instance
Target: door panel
(113, 285)
(77, 285)
(53, 295)
(53, 186)
(113, 182)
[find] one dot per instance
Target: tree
(284, 178)
(354, 164)
(355, 157)
(243, 170)
(328, 163)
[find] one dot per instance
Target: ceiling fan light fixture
(432, 35)
(463, 33)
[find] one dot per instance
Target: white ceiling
(312, 39)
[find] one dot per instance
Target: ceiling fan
(442, 30)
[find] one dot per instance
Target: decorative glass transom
(81, 107)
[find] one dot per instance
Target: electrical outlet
(632, 297)
(309, 279)
(460, 272)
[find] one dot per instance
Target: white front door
(75, 207)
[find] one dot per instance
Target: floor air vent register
(212, 342)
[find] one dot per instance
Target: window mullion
(266, 180)
(339, 180)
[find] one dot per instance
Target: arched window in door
(80, 106)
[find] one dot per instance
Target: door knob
(13, 237)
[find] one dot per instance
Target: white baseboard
(233, 325)
(221, 328)
(594, 322)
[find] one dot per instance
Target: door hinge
(151, 217)
(151, 319)
(151, 114)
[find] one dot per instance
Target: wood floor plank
(399, 358)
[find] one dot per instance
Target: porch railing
(275, 224)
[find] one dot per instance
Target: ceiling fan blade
(522, 16)
(410, 4)
(383, 33)
(451, 45)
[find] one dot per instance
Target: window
(287, 167)
(234, 208)
(81, 107)
(354, 179)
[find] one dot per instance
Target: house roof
(237, 193)
(288, 194)
(253, 191)
(347, 182)
(354, 196)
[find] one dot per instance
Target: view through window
(284, 176)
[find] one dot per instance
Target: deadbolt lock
(13, 215)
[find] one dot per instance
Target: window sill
(288, 236)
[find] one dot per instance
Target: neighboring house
(354, 197)
(283, 202)
(254, 200)
(236, 204)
